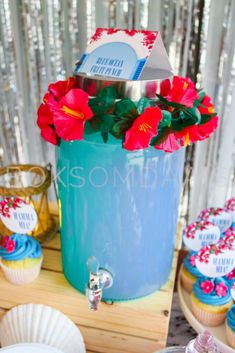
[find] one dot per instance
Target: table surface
(180, 331)
(136, 326)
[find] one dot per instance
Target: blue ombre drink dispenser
(118, 208)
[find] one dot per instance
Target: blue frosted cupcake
(189, 272)
(211, 299)
(230, 326)
(21, 258)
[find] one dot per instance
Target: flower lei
(180, 115)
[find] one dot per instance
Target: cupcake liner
(37, 323)
(230, 334)
(207, 318)
(22, 276)
(187, 282)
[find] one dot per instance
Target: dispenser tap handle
(93, 265)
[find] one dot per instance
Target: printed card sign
(215, 260)
(123, 54)
(200, 234)
(17, 215)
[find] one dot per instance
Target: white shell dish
(37, 323)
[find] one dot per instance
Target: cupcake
(21, 258)
(211, 299)
(230, 326)
(189, 272)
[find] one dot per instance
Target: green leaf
(194, 114)
(89, 127)
(206, 117)
(188, 117)
(170, 104)
(106, 122)
(198, 101)
(120, 127)
(105, 136)
(104, 102)
(103, 123)
(108, 94)
(126, 108)
(166, 120)
(142, 104)
(160, 137)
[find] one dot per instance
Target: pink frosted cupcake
(211, 299)
(230, 326)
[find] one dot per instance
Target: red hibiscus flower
(206, 107)
(59, 89)
(207, 287)
(45, 119)
(170, 144)
(196, 133)
(71, 113)
(182, 91)
(143, 129)
(221, 289)
(46, 124)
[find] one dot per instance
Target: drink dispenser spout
(99, 279)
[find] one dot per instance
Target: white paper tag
(218, 216)
(199, 234)
(17, 215)
(233, 291)
(229, 238)
(124, 54)
(215, 260)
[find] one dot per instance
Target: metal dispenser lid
(125, 88)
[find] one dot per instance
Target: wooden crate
(137, 326)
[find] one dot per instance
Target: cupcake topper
(229, 237)
(203, 343)
(217, 216)
(216, 260)
(200, 234)
(17, 215)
